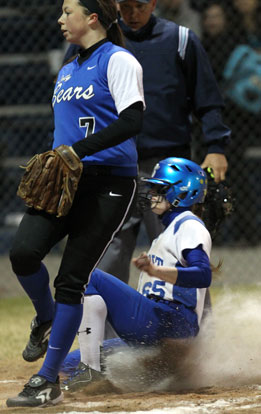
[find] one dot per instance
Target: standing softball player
(175, 274)
(178, 82)
(98, 108)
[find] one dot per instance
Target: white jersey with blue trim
(90, 96)
(186, 231)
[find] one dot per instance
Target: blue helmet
(183, 182)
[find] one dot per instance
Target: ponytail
(110, 22)
(115, 35)
(107, 14)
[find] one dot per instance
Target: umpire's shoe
(82, 376)
(37, 392)
(38, 341)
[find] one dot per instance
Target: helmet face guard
(152, 195)
(182, 182)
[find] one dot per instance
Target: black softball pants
(101, 206)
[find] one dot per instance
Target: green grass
(17, 313)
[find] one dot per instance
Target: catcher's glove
(218, 204)
(50, 180)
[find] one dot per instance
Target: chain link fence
(31, 52)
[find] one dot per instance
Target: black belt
(157, 298)
(107, 170)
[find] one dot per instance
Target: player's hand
(144, 264)
(219, 165)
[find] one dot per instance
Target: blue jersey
(89, 96)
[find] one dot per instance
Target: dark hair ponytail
(108, 17)
(115, 35)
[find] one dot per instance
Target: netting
(31, 51)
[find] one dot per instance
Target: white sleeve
(193, 234)
(125, 80)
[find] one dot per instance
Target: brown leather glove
(50, 180)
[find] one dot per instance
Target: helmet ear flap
(179, 198)
(176, 203)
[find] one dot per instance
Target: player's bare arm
(144, 263)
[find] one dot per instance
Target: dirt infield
(144, 381)
(105, 398)
(222, 374)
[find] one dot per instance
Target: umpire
(178, 82)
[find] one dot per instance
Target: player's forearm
(167, 274)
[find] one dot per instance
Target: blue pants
(137, 319)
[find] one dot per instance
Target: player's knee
(24, 260)
(97, 278)
(99, 275)
(95, 303)
(68, 295)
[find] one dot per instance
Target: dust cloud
(228, 349)
(225, 353)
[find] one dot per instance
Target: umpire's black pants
(102, 203)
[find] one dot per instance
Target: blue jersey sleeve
(198, 272)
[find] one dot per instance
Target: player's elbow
(206, 277)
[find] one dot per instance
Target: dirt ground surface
(106, 398)
(226, 371)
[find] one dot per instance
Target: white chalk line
(184, 407)
(10, 381)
